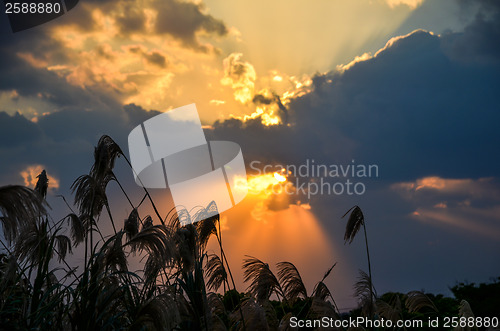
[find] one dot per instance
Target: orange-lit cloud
(484, 222)
(121, 50)
(271, 101)
(29, 106)
(413, 4)
(35, 62)
(367, 55)
(473, 188)
(361, 58)
(30, 173)
(240, 76)
(453, 202)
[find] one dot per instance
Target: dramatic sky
(410, 86)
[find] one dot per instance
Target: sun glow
(291, 234)
(280, 178)
(260, 184)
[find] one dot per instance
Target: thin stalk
(92, 235)
(146, 191)
(144, 198)
(223, 255)
(12, 254)
(67, 265)
(123, 191)
(86, 234)
(369, 271)
(222, 258)
(86, 247)
(110, 217)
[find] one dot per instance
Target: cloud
(154, 57)
(410, 108)
(412, 4)
(132, 19)
(481, 189)
(105, 65)
(466, 204)
(476, 220)
(17, 131)
(61, 142)
(475, 44)
(425, 117)
(185, 20)
(31, 173)
(22, 71)
(423, 108)
(240, 76)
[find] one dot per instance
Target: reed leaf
(105, 154)
(90, 194)
(417, 300)
(185, 239)
(356, 220)
(19, 205)
(157, 241)
(465, 310)
(215, 271)
(365, 292)
(131, 225)
(63, 246)
(322, 292)
(390, 310)
(263, 283)
(291, 282)
(42, 184)
(77, 228)
(112, 254)
(147, 222)
(34, 243)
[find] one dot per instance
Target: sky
(409, 87)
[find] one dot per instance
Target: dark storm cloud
(62, 141)
(419, 108)
(412, 109)
(426, 105)
(153, 57)
(181, 20)
(89, 126)
(133, 20)
(477, 42)
(260, 99)
(184, 20)
(137, 114)
(16, 131)
(156, 58)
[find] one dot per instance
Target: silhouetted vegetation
(176, 287)
(484, 298)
